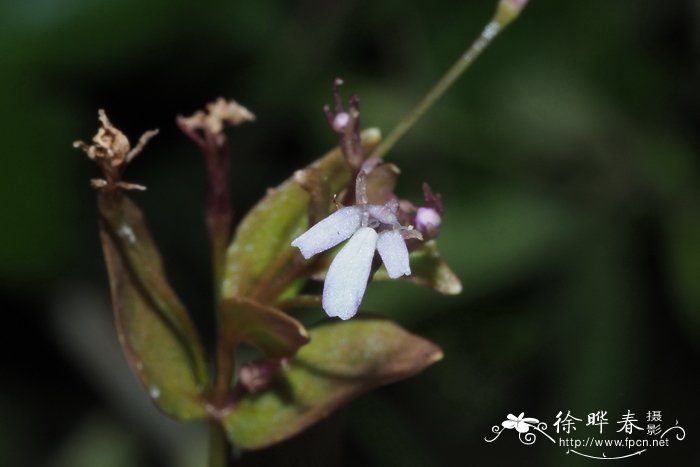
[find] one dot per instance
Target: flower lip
(347, 276)
(392, 249)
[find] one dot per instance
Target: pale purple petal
(329, 232)
(386, 214)
(392, 249)
(346, 279)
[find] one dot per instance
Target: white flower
(370, 227)
(521, 423)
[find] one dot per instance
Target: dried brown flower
(112, 152)
(212, 121)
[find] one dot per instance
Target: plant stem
(506, 12)
(218, 213)
(224, 370)
(219, 449)
(218, 217)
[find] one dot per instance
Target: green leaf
(272, 331)
(428, 268)
(155, 331)
(260, 252)
(343, 360)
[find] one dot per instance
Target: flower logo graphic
(529, 429)
(522, 425)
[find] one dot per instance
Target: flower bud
(340, 122)
(256, 376)
(427, 218)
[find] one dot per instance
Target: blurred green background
(568, 159)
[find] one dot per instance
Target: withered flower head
(112, 152)
(212, 121)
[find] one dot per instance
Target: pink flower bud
(341, 121)
(427, 219)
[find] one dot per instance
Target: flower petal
(508, 424)
(392, 249)
(329, 232)
(386, 214)
(347, 276)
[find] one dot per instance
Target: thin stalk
(219, 449)
(507, 11)
(224, 370)
(218, 217)
(218, 213)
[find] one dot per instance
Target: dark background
(567, 159)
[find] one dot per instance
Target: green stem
(224, 369)
(219, 449)
(507, 11)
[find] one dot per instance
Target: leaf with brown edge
(343, 360)
(272, 331)
(155, 331)
(429, 269)
(260, 252)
